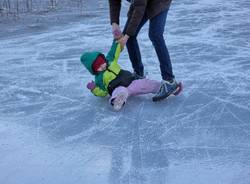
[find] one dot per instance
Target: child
(111, 79)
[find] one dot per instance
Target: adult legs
(156, 30)
(134, 50)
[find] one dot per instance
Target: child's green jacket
(103, 79)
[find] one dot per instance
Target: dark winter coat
(136, 12)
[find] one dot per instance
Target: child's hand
(117, 34)
(123, 40)
(91, 85)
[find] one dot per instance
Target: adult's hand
(123, 40)
(116, 31)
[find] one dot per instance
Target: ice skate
(119, 101)
(168, 88)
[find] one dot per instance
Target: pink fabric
(117, 33)
(137, 87)
(117, 91)
(143, 86)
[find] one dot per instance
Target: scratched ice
(52, 130)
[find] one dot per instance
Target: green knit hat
(88, 58)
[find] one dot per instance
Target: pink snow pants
(137, 87)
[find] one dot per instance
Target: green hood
(88, 58)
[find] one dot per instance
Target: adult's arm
(114, 11)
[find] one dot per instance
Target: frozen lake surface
(52, 130)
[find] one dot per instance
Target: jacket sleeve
(114, 52)
(114, 10)
(99, 92)
(138, 11)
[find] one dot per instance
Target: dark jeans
(156, 30)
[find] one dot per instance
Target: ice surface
(52, 130)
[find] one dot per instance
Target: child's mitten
(91, 85)
(117, 34)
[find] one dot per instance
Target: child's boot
(119, 101)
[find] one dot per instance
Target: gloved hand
(116, 31)
(91, 85)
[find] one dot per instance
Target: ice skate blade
(119, 102)
(178, 90)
